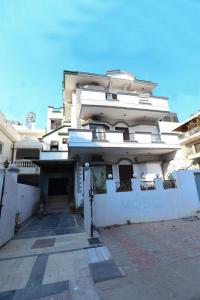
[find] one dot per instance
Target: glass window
(56, 123)
(64, 140)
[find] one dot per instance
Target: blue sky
(41, 38)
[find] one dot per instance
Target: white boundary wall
(147, 206)
(27, 197)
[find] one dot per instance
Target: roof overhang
(74, 78)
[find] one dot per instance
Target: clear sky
(41, 38)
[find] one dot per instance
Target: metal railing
(99, 135)
(155, 138)
(169, 184)
(124, 186)
(130, 137)
(22, 163)
(189, 133)
(147, 185)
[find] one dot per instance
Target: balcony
(190, 136)
(26, 166)
(87, 140)
(53, 155)
(194, 152)
(97, 103)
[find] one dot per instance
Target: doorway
(125, 175)
(58, 186)
(125, 132)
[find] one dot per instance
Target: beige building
(190, 140)
(8, 136)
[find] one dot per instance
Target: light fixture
(87, 165)
(110, 176)
(6, 164)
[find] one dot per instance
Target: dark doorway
(125, 132)
(125, 175)
(58, 186)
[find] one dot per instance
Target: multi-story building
(8, 136)
(190, 140)
(112, 122)
(20, 145)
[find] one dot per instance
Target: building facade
(190, 140)
(116, 124)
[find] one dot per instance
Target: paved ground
(53, 258)
(160, 261)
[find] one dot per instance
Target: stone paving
(54, 258)
(43, 258)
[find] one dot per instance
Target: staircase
(57, 203)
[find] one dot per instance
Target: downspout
(13, 148)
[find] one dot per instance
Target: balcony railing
(169, 184)
(23, 163)
(147, 185)
(189, 133)
(86, 136)
(124, 186)
(156, 138)
(99, 135)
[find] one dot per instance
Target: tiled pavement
(51, 259)
(161, 261)
(139, 247)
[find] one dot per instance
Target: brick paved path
(140, 247)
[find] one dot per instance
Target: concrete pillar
(110, 186)
(136, 184)
(159, 184)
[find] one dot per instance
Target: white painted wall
(54, 113)
(52, 155)
(27, 197)
(98, 98)
(55, 136)
(147, 206)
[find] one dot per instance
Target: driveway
(52, 258)
(159, 260)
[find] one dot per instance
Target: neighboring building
(112, 122)
(55, 118)
(8, 136)
(190, 140)
(26, 151)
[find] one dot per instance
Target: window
(109, 170)
(54, 146)
(111, 96)
(64, 140)
(56, 123)
(1, 147)
(197, 147)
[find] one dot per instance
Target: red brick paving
(144, 246)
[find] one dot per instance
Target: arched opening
(125, 168)
(124, 128)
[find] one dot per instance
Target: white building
(112, 122)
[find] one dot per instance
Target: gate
(8, 211)
(197, 180)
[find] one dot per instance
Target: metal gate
(197, 180)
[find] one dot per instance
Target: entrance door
(58, 186)
(197, 179)
(125, 175)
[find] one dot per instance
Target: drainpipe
(13, 149)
